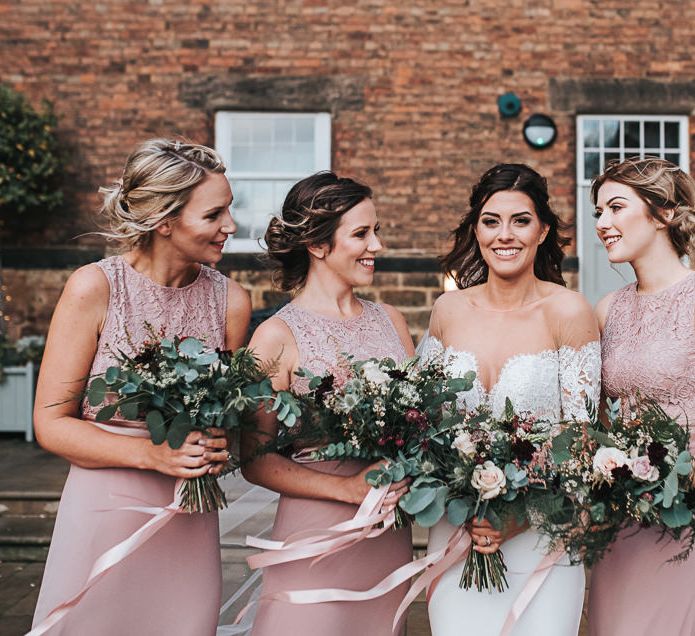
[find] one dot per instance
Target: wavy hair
(310, 216)
(663, 187)
(465, 263)
(157, 182)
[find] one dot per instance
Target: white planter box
(17, 400)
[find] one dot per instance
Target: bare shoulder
(89, 284)
(602, 307)
(566, 304)
(272, 335)
(401, 327)
(450, 306)
(238, 299)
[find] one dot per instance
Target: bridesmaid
(325, 243)
(170, 212)
(645, 213)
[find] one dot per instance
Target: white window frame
(583, 182)
(224, 121)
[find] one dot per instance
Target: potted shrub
(19, 363)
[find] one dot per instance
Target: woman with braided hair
(324, 244)
(170, 211)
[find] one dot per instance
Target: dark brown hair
(662, 186)
(310, 215)
(465, 263)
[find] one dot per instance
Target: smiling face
(355, 244)
(509, 232)
(623, 223)
(199, 231)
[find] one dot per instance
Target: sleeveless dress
(648, 347)
(320, 341)
(172, 583)
(550, 383)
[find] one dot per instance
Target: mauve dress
(648, 346)
(171, 585)
(320, 341)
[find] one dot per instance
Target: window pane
(283, 158)
(261, 131)
(591, 165)
(673, 157)
(304, 130)
(241, 133)
(671, 134)
(263, 196)
(304, 157)
(611, 130)
(652, 135)
(591, 133)
(633, 153)
(631, 134)
(610, 156)
(241, 157)
(283, 131)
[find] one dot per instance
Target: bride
(528, 338)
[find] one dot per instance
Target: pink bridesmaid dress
(320, 341)
(171, 585)
(648, 346)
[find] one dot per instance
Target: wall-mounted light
(509, 105)
(539, 131)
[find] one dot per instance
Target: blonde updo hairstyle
(157, 182)
(310, 216)
(665, 189)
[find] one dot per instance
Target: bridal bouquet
(637, 470)
(489, 468)
(378, 409)
(177, 386)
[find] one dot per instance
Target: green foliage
(30, 161)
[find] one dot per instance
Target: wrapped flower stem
(202, 494)
(484, 571)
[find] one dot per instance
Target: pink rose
(606, 459)
(489, 480)
(643, 470)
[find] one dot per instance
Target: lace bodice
(648, 347)
(198, 310)
(321, 340)
(551, 384)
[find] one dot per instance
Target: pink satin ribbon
(323, 542)
(116, 554)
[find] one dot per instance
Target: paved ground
(26, 471)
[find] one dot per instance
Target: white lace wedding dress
(553, 384)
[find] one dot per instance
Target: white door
(601, 138)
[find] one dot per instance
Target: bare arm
(401, 327)
(273, 341)
(70, 349)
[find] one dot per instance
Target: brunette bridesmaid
(645, 213)
(171, 213)
(325, 243)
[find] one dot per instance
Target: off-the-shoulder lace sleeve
(580, 379)
(429, 348)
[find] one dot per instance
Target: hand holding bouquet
(634, 471)
(177, 386)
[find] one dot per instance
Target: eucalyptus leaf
(96, 391)
(670, 488)
(458, 511)
(112, 375)
(677, 515)
(191, 375)
(178, 429)
(129, 410)
(206, 359)
(156, 426)
(417, 499)
(106, 413)
(191, 347)
(435, 511)
(684, 463)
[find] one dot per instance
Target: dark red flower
(397, 374)
(656, 452)
(324, 387)
(417, 417)
(689, 499)
(523, 450)
(621, 472)
(400, 442)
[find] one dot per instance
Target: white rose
(643, 470)
(489, 480)
(372, 373)
(464, 445)
(606, 459)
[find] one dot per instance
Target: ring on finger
(488, 541)
(228, 455)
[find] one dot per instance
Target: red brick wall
(412, 85)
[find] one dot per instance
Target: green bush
(30, 162)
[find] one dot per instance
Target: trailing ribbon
(113, 556)
(323, 542)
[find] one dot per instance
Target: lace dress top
(197, 310)
(545, 367)
(322, 341)
(648, 347)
